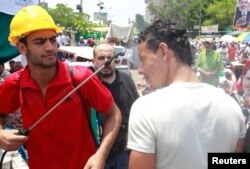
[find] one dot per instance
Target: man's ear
(164, 51)
(22, 48)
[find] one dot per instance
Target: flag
(11, 7)
(8, 8)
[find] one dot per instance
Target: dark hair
(170, 33)
(11, 61)
(24, 41)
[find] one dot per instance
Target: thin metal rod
(72, 91)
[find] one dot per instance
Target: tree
(140, 23)
(170, 10)
(70, 20)
(221, 12)
(196, 12)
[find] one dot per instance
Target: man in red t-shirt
(232, 51)
(63, 139)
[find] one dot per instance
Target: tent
(236, 33)
(227, 38)
(122, 33)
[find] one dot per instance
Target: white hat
(224, 43)
(210, 40)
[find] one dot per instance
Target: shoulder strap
(87, 110)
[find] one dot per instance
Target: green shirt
(210, 62)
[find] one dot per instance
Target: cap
(223, 43)
(210, 40)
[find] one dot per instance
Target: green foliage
(170, 10)
(70, 20)
(220, 12)
(140, 23)
(196, 12)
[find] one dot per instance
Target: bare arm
(207, 73)
(111, 128)
(139, 160)
(240, 145)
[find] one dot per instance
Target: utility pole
(100, 4)
(79, 7)
(200, 21)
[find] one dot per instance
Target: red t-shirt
(246, 66)
(232, 50)
(63, 139)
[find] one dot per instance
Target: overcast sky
(118, 10)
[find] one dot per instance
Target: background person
(18, 66)
(209, 63)
(81, 42)
(11, 64)
(223, 50)
(63, 139)
(65, 39)
(124, 92)
(3, 73)
(177, 125)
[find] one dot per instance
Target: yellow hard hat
(29, 19)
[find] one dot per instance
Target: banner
(12, 6)
(242, 15)
(209, 29)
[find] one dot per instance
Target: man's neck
(110, 79)
(43, 76)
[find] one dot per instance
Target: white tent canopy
(228, 38)
(120, 32)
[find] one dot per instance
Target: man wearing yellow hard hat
(62, 139)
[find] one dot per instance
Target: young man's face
(41, 48)
(153, 66)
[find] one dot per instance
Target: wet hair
(176, 37)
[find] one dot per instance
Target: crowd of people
(224, 65)
(180, 119)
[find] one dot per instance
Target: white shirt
(183, 122)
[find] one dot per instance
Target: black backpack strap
(88, 112)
